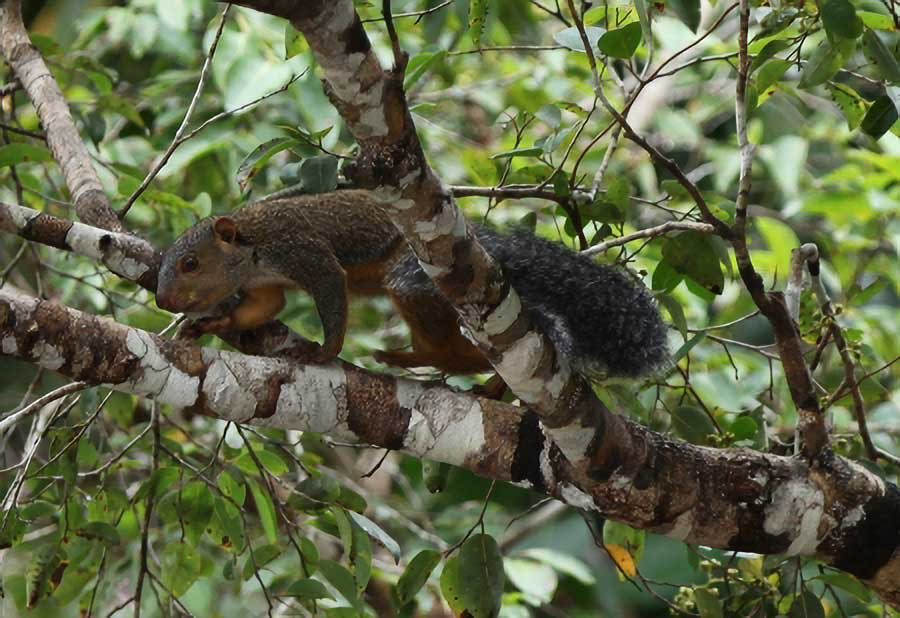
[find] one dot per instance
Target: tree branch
(62, 137)
(735, 499)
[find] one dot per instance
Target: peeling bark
(735, 499)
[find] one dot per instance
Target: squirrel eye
(189, 264)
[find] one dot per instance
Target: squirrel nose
(163, 301)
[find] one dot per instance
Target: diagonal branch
(62, 137)
(373, 104)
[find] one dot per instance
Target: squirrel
(232, 272)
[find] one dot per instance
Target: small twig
(9, 88)
(810, 253)
(400, 57)
(176, 141)
(40, 402)
(148, 515)
(480, 522)
(650, 232)
(25, 132)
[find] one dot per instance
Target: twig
(40, 402)
(650, 232)
(400, 57)
(810, 254)
(176, 141)
(25, 132)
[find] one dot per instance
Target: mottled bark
(66, 145)
(735, 499)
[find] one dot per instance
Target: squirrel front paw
(194, 329)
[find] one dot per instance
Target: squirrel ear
(225, 229)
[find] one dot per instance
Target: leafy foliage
(254, 519)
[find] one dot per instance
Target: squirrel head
(203, 267)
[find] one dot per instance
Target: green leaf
(14, 154)
(158, 482)
(181, 566)
(688, 11)
(319, 174)
(235, 490)
(879, 54)
(617, 533)
(665, 277)
(676, 312)
(260, 557)
(806, 605)
(360, 555)
(876, 20)
(342, 580)
(450, 586)
(269, 460)
(708, 603)
(419, 64)
(477, 16)
(534, 579)
(775, 22)
(256, 160)
(852, 105)
(226, 527)
(825, 61)
(375, 531)
(771, 73)
(880, 118)
(562, 563)
(294, 41)
(744, 428)
(571, 38)
(519, 152)
(692, 255)
(840, 20)
(307, 590)
(622, 42)
(266, 510)
(100, 531)
(771, 48)
(480, 576)
(416, 574)
(117, 104)
(195, 508)
(692, 424)
(847, 582)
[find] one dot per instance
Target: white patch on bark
(225, 395)
(21, 215)
(9, 345)
(448, 220)
(504, 315)
(518, 365)
(160, 379)
(408, 393)
(577, 498)
(572, 440)
(796, 510)
(682, 527)
(453, 429)
(48, 356)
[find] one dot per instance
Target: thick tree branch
(62, 136)
(730, 498)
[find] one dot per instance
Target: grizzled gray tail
(601, 319)
(604, 322)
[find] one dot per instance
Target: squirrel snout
(165, 300)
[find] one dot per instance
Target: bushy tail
(601, 319)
